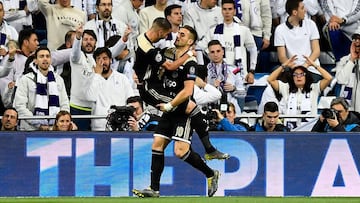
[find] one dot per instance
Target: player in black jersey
(175, 123)
(150, 65)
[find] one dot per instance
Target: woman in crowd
(63, 122)
(299, 95)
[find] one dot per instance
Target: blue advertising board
(112, 164)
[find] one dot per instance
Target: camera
(329, 113)
(119, 116)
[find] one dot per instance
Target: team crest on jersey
(175, 74)
(191, 74)
(158, 57)
(192, 70)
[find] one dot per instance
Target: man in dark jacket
(338, 118)
(270, 120)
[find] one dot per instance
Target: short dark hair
(292, 5)
(101, 50)
(41, 48)
(169, 9)
(214, 42)
(97, 3)
(12, 108)
(342, 101)
(192, 32)
(25, 34)
(228, 2)
(91, 33)
(162, 23)
(271, 106)
(134, 99)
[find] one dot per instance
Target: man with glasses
(270, 120)
(348, 73)
(338, 118)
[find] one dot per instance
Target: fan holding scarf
(40, 92)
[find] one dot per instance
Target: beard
(106, 70)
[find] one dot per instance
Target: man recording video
(338, 118)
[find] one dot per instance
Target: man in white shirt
(104, 25)
(202, 16)
(82, 63)
(297, 36)
(105, 88)
(17, 14)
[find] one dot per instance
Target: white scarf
(219, 35)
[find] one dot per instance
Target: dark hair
(214, 42)
(271, 106)
(135, 99)
(192, 32)
(98, 2)
(162, 23)
(308, 80)
(12, 108)
(25, 34)
(68, 35)
(41, 48)
(169, 9)
(101, 50)
(342, 101)
(228, 2)
(292, 5)
(91, 33)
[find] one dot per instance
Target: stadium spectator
(347, 72)
(237, 41)
(174, 16)
(7, 32)
(202, 15)
(40, 92)
(9, 120)
(220, 74)
(338, 118)
(128, 12)
(82, 63)
(104, 25)
(17, 14)
(343, 19)
(150, 13)
(299, 95)
(297, 36)
(270, 121)
(105, 88)
(63, 122)
(256, 15)
(60, 18)
(64, 70)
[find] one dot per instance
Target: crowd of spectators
(84, 63)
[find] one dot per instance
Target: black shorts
(175, 126)
(155, 96)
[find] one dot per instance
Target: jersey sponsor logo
(170, 83)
